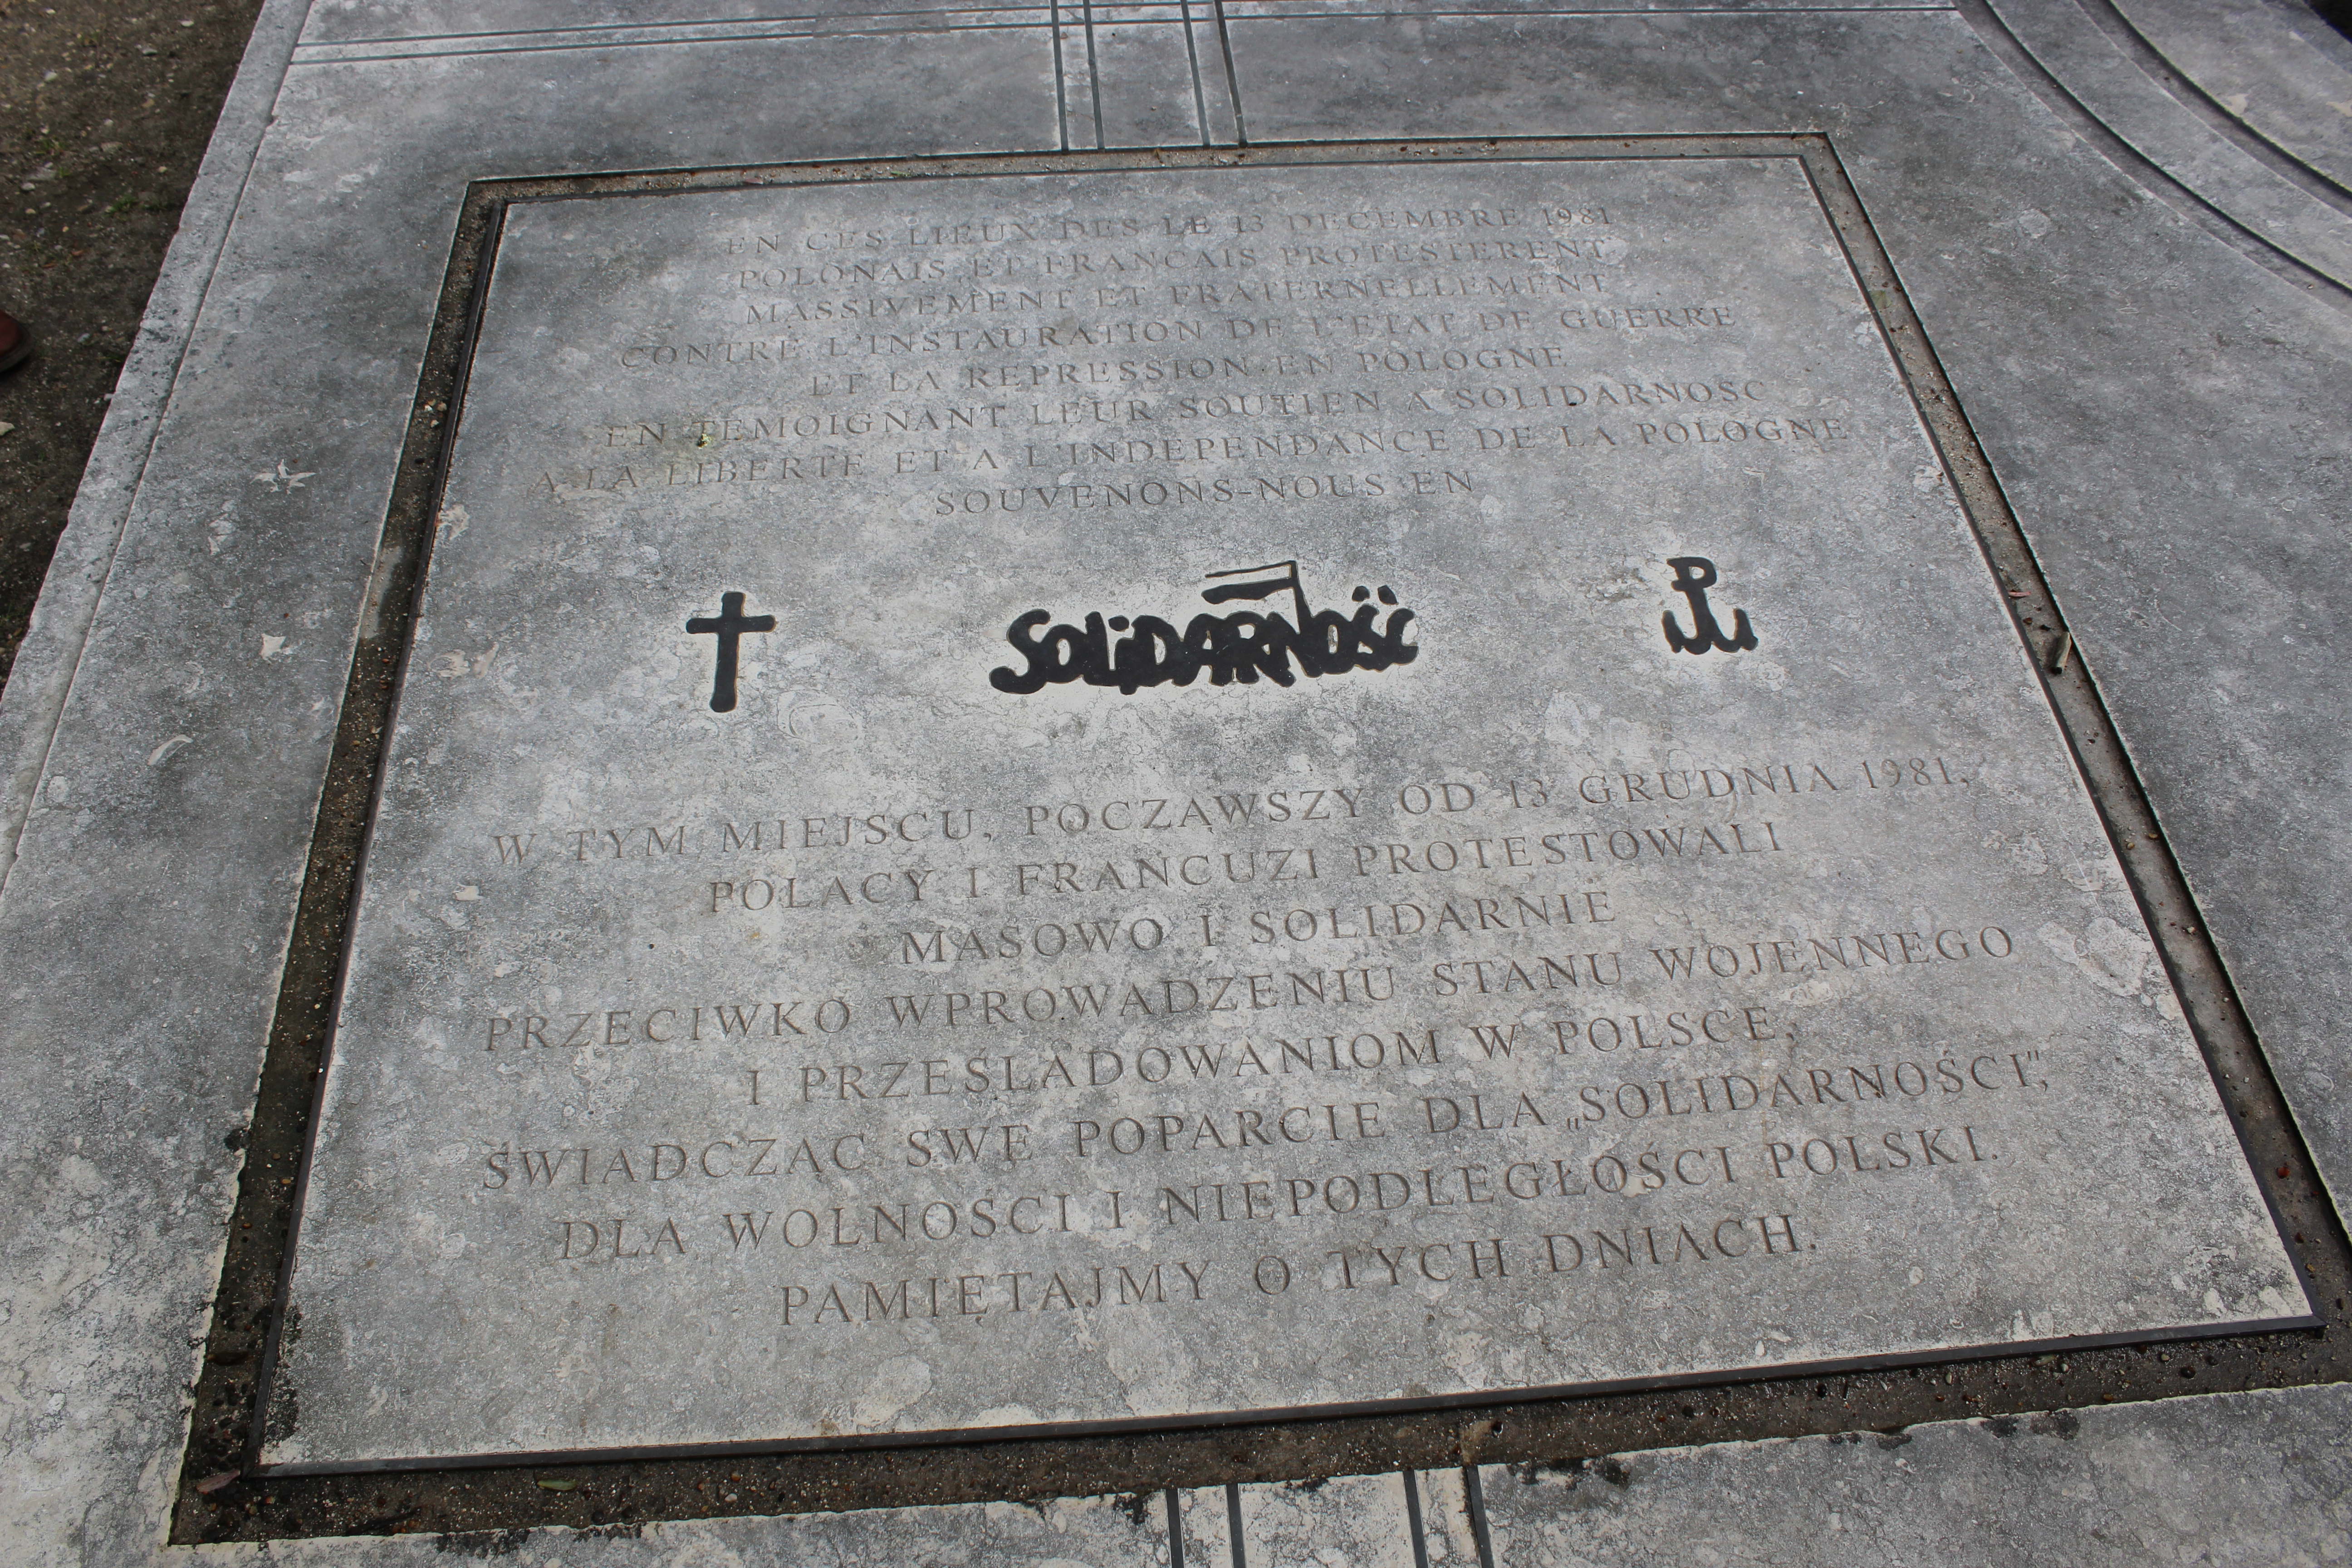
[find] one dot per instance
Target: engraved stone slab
(1093, 797)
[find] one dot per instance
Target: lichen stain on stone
(483, 1544)
(896, 1383)
(285, 1410)
(285, 1406)
(1607, 1468)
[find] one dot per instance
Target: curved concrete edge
(45, 661)
(2285, 77)
(2287, 208)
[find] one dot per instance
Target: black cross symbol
(731, 622)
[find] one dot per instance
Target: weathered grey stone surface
(2132, 376)
(1553, 1007)
(1082, 1532)
(1363, 1520)
(2273, 66)
(2228, 1478)
(2302, 222)
(86, 551)
(1394, 1521)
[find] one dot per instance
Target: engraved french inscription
(1102, 796)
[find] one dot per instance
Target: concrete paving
(2143, 318)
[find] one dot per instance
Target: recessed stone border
(244, 1324)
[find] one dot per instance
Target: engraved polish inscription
(913, 998)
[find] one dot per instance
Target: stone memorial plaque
(1068, 798)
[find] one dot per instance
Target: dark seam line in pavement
(1061, 89)
(1094, 72)
(1233, 79)
(1192, 59)
(1239, 1553)
(301, 1072)
(645, 27)
(677, 43)
(1413, 1519)
(1175, 1531)
(2184, 90)
(2138, 166)
(1479, 1534)
(160, 410)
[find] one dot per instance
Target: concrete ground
(105, 109)
(104, 113)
